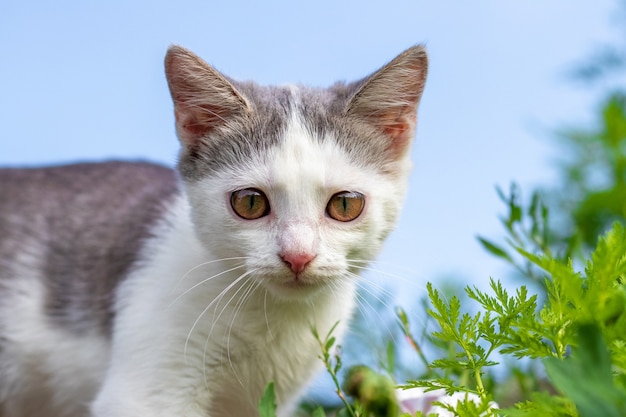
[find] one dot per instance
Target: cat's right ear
(204, 100)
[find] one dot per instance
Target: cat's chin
(295, 289)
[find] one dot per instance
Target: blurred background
(83, 81)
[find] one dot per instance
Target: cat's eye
(250, 203)
(346, 206)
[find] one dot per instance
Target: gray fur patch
(324, 114)
(243, 137)
(90, 221)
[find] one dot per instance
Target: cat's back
(115, 184)
(79, 228)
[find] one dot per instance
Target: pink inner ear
(195, 122)
(188, 121)
(400, 130)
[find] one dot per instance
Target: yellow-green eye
(250, 203)
(345, 206)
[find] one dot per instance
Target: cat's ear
(204, 100)
(388, 99)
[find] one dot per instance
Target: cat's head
(303, 185)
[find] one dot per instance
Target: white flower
(418, 399)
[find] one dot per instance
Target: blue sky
(84, 81)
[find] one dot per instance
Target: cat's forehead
(305, 160)
(314, 122)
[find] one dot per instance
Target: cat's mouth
(296, 286)
(298, 282)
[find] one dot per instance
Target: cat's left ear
(388, 99)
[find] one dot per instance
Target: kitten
(129, 290)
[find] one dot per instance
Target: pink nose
(297, 261)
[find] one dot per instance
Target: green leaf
(542, 404)
(329, 343)
(495, 249)
(390, 358)
(319, 412)
(332, 329)
(267, 405)
(586, 377)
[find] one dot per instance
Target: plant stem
(404, 325)
(331, 368)
(339, 392)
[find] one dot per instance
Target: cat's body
(127, 290)
(64, 250)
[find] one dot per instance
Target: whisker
(204, 281)
(377, 286)
(360, 305)
(216, 299)
(223, 293)
(383, 263)
(211, 262)
(385, 291)
(238, 307)
(267, 322)
(380, 287)
(200, 265)
(384, 303)
(217, 318)
(402, 278)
